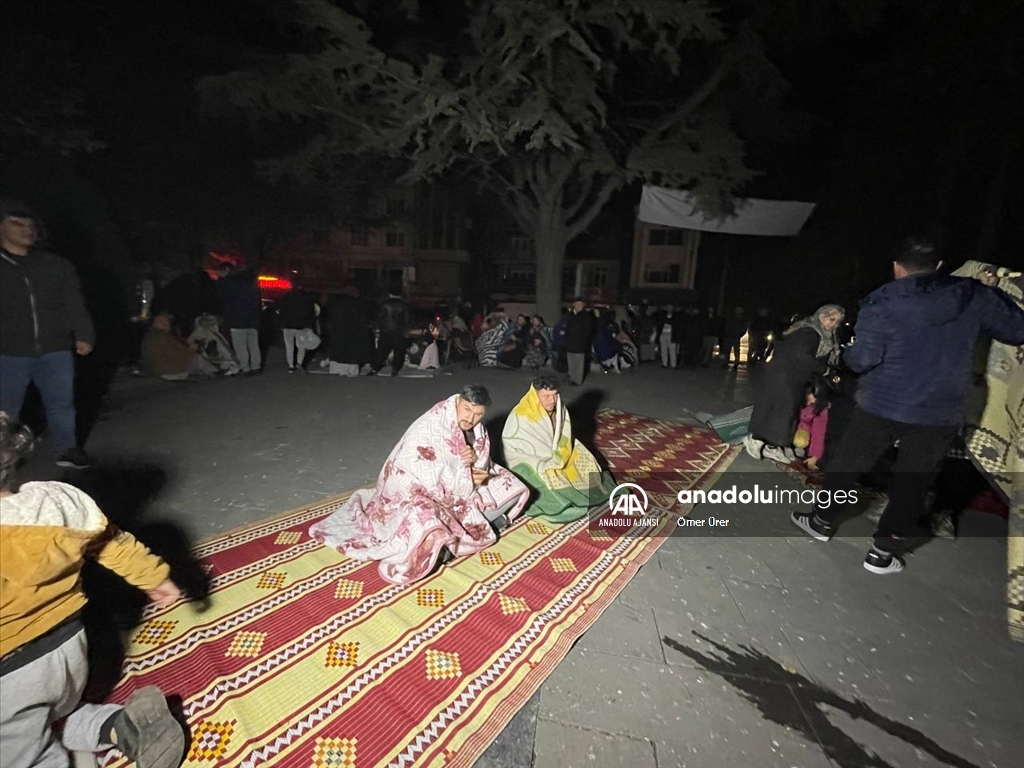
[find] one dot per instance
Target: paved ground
(753, 646)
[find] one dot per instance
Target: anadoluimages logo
(628, 499)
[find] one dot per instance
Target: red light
(270, 283)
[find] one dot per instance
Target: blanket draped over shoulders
(424, 500)
(540, 450)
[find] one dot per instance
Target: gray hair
(476, 394)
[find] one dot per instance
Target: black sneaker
(147, 732)
(75, 458)
(812, 525)
(882, 563)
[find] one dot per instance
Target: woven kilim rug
(307, 659)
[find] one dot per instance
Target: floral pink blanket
(424, 500)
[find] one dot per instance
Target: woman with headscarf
(808, 348)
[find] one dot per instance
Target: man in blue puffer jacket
(914, 343)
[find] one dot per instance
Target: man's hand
(165, 594)
(468, 456)
(83, 347)
(480, 477)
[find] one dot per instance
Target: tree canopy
(550, 104)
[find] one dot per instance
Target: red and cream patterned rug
(308, 659)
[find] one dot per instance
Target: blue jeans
(54, 377)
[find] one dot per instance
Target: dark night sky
(872, 150)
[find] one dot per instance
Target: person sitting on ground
(514, 343)
(422, 347)
(47, 530)
(165, 355)
(539, 448)
(606, 346)
(206, 339)
(538, 345)
(807, 348)
(438, 496)
(489, 344)
(810, 434)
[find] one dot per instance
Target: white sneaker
(776, 454)
(882, 563)
(753, 446)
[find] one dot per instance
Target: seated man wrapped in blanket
(439, 496)
(539, 448)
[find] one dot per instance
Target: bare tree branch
(612, 183)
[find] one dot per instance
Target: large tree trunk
(550, 238)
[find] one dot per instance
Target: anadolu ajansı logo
(628, 499)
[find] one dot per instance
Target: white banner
(675, 208)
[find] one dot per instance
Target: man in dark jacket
(43, 318)
(913, 346)
(242, 309)
(579, 330)
(392, 321)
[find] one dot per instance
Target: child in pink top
(810, 433)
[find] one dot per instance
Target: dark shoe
(291, 370)
(501, 522)
(75, 458)
(812, 525)
(882, 563)
(147, 732)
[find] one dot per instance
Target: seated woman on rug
(490, 342)
(540, 450)
(436, 498)
(808, 348)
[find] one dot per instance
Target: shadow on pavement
(755, 676)
(124, 492)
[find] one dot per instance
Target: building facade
(514, 274)
(414, 240)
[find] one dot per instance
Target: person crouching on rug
(46, 531)
(810, 434)
(436, 498)
(540, 450)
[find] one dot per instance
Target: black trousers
(392, 341)
(921, 450)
